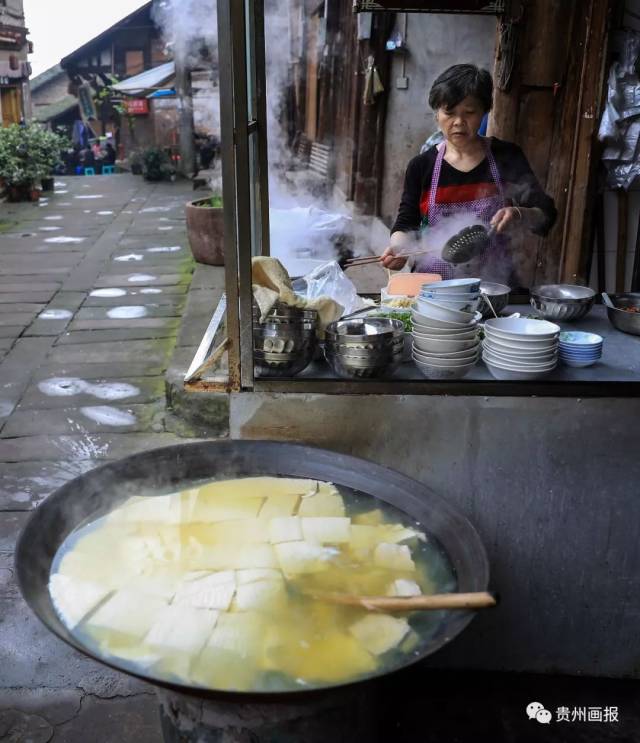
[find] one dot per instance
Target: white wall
(435, 42)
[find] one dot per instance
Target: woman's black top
(521, 187)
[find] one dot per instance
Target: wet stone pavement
(94, 282)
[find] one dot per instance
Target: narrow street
(93, 282)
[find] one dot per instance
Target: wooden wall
(552, 109)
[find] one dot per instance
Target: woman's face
(460, 124)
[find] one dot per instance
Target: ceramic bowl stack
(580, 349)
(364, 347)
(517, 348)
(450, 300)
(446, 341)
(284, 343)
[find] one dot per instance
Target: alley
(93, 282)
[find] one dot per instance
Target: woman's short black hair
(458, 82)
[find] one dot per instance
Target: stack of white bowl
(445, 328)
(520, 348)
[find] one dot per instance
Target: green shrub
(28, 154)
(156, 165)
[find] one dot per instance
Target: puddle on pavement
(127, 312)
(54, 217)
(90, 196)
(49, 229)
(130, 257)
(70, 386)
(150, 290)
(105, 214)
(110, 292)
(172, 249)
(155, 209)
(59, 184)
(64, 239)
(141, 277)
(108, 416)
(164, 229)
(54, 314)
(6, 408)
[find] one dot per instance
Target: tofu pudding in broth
(221, 585)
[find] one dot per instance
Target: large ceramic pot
(205, 227)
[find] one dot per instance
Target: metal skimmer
(467, 244)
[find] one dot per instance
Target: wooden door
(10, 100)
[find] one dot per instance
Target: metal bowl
(562, 302)
(268, 364)
(364, 329)
(627, 322)
(355, 368)
(498, 296)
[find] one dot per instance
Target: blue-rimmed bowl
(453, 285)
(579, 339)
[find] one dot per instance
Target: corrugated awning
(147, 80)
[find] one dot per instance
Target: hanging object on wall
(372, 84)
(620, 123)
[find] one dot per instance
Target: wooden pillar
(372, 120)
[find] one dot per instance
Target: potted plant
(205, 228)
(27, 155)
(135, 163)
(156, 165)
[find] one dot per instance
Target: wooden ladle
(437, 601)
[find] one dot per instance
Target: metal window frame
(240, 30)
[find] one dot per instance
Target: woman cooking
(467, 176)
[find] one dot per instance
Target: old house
(51, 102)
(15, 104)
(141, 109)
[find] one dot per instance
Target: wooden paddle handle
(479, 600)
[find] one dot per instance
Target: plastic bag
(329, 280)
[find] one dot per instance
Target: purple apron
(484, 209)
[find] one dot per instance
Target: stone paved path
(93, 282)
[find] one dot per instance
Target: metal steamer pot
(303, 712)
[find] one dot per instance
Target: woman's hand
(391, 261)
(504, 219)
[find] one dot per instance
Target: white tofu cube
(285, 529)
(393, 557)
(261, 595)
(207, 591)
(404, 587)
(251, 576)
(378, 633)
(74, 598)
(323, 503)
(181, 628)
(327, 529)
(302, 557)
(127, 612)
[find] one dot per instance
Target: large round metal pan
(176, 467)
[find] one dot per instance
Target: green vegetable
(404, 315)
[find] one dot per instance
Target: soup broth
(221, 585)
